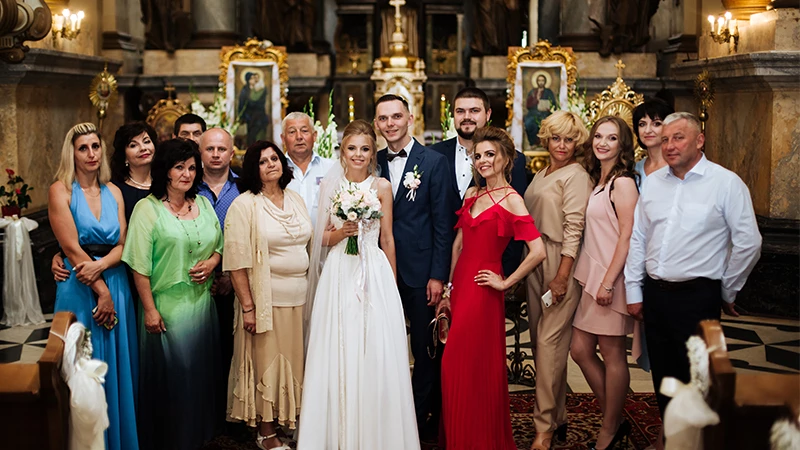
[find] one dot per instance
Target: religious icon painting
(540, 79)
(255, 77)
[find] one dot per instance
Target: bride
(357, 389)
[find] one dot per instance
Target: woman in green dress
(174, 242)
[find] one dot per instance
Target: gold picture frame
(164, 113)
(540, 79)
(255, 79)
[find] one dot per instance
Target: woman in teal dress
(87, 215)
(174, 243)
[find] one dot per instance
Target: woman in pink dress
(602, 317)
(475, 402)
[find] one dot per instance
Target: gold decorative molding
(541, 51)
(255, 50)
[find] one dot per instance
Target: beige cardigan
(247, 248)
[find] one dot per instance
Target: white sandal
(260, 439)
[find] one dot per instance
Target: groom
(423, 235)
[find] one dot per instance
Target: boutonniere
(412, 182)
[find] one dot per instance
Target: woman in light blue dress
(87, 216)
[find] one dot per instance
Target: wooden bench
(748, 404)
(34, 399)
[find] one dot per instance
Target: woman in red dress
(475, 402)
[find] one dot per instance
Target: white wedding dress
(357, 386)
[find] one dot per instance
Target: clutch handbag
(440, 327)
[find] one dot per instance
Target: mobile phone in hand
(110, 324)
(547, 299)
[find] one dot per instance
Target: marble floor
(755, 344)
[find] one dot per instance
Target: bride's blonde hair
(360, 127)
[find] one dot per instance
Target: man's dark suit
(519, 181)
(423, 236)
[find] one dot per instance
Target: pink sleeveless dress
(600, 240)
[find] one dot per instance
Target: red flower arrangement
(15, 197)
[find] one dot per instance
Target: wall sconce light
(723, 28)
(67, 25)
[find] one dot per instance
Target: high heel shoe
(543, 441)
(623, 432)
(561, 433)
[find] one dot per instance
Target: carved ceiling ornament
(256, 50)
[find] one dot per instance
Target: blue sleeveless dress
(117, 347)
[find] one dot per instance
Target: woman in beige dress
(602, 317)
(556, 199)
(267, 235)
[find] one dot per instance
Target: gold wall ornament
(254, 78)
(102, 93)
(704, 93)
(164, 113)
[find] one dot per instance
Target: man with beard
(471, 111)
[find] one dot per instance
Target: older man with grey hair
(695, 241)
(308, 168)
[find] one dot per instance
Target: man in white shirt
(695, 241)
(308, 168)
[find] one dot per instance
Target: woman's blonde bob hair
(360, 127)
(565, 124)
(66, 168)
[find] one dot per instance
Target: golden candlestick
(442, 107)
(351, 108)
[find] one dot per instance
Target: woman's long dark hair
(625, 160)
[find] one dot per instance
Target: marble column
(576, 29)
(215, 22)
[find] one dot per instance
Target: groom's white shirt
(397, 165)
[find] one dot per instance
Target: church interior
(733, 63)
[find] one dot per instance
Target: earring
(127, 164)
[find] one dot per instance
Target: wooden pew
(34, 399)
(748, 404)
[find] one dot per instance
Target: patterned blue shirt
(221, 204)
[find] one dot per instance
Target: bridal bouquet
(350, 203)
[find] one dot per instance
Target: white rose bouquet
(350, 203)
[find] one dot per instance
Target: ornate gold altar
(402, 74)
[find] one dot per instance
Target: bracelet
(249, 310)
(607, 288)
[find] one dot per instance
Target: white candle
(711, 21)
(733, 26)
(720, 24)
(80, 17)
(524, 38)
(58, 20)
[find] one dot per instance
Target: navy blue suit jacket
(519, 181)
(423, 228)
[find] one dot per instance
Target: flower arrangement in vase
(14, 194)
(328, 137)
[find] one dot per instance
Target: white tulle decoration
(785, 435)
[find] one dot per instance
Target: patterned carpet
(584, 421)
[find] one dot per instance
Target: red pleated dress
(475, 401)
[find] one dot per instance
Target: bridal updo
(360, 127)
